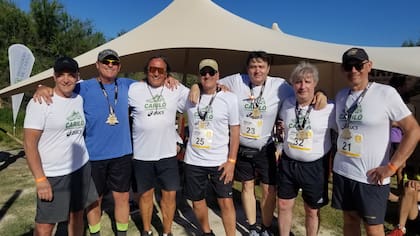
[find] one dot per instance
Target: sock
(253, 226)
(122, 226)
(94, 229)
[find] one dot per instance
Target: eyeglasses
(109, 61)
(358, 67)
(211, 72)
(153, 70)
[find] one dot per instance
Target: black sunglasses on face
(206, 71)
(109, 61)
(358, 66)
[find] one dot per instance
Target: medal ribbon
(201, 114)
(254, 100)
(300, 126)
(111, 108)
(352, 108)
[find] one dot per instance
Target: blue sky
(385, 23)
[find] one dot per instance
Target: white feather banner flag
(21, 61)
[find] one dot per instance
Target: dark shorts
(71, 193)
(197, 179)
(163, 173)
(112, 174)
(311, 177)
(252, 162)
(368, 200)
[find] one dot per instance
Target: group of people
(230, 123)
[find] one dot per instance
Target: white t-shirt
(370, 128)
(209, 146)
(61, 146)
(154, 112)
(276, 90)
(318, 126)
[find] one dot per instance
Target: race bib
(251, 128)
(350, 147)
(202, 138)
(300, 140)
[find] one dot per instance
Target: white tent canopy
(188, 31)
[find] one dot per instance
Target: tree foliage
(411, 43)
(47, 30)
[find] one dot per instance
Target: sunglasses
(205, 72)
(153, 70)
(358, 67)
(109, 61)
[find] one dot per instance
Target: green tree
(47, 30)
(15, 27)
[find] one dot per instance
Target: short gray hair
(302, 69)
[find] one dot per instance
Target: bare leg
(285, 209)
(311, 220)
(75, 226)
(146, 209)
(94, 212)
(122, 207)
(228, 215)
(201, 212)
(351, 223)
(268, 204)
(249, 201)
(43, 229)
(408, 205)
(374, 230)
(168, 205)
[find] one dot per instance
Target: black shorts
(112, 174)
(71, 193)
(311, 177)
(251, 162)
(197, 179)
(163, 173)
(368, 200)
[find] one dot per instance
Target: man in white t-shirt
(154, 108)
(362, 165)
(212, 148)
(304, 161)
(57, 156)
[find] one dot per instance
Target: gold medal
(112, 119)
(202, 124)
(256, 113)
(346, 134)
(302, 134)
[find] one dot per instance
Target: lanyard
(300, 126)
(155, 98)
(201, 114)
(349, 111)
(254, 100)
(111, 109)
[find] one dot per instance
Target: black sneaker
(209, 234)
(146, 233)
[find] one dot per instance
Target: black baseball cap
(355, 55)
(66, 64)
